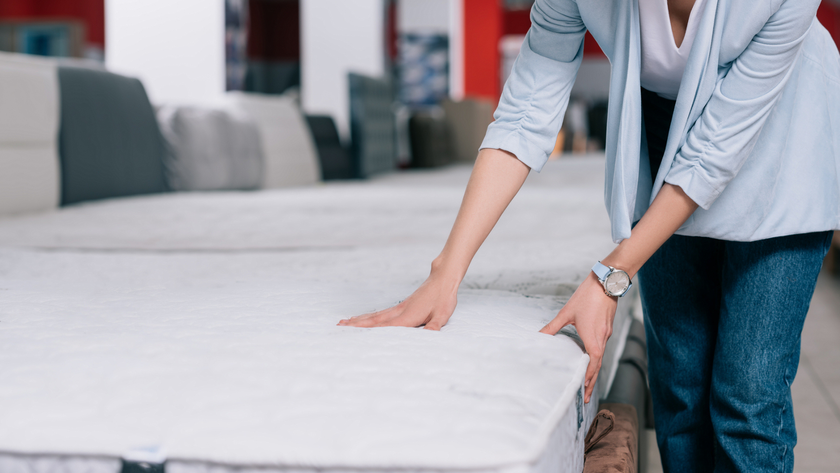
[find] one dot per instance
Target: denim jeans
(724, 322)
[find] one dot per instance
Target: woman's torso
(666, 40)
(790, 184)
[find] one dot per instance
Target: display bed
(200, 328)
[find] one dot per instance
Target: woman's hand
(592, 313)
(589, 309)
(495, 179)
(431, 305)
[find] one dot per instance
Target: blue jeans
(724, 322)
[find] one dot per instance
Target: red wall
(90, 12)
(485, 22)
(517, 21)
(829, 16)
(274, 30)
(483, 27)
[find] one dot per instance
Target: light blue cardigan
(755, 137)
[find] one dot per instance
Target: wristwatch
(615, 281)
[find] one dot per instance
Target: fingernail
(586, 384)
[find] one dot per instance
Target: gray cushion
(211, 149)
(290, 155)
(372, 125)
(110, 144)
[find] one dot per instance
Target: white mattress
(201, 327)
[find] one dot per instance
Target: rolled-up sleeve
(723, 137)
(536, 94)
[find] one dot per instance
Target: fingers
(388, 319)
(353, 321)
(433, 324)
(590, 388)
(370, 320)
(596, 356)
(562, 319)
(397, 316)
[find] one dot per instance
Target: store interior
(323, 125)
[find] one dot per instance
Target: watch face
(617, 283)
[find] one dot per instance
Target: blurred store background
(266, 94)
(384, 84)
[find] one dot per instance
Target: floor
(816, 391)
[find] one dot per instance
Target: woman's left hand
(591, 312)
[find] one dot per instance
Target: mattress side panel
(34, 463)
(564, 452)
(565, 447)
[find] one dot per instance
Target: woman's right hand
(495, 179)
(431, 305)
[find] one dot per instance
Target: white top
(663, 62)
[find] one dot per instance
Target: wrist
(449, 274)
(617, 263)
(615, 281)
(594, 279)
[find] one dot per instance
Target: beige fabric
(468, 121)
(288, 148)
(29, 180)
(29, 118)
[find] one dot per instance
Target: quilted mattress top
(203, 325)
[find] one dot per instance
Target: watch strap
(601, 271)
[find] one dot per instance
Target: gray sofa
(72, 134)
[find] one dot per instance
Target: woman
(722, 189)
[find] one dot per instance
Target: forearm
(496, 178)
(669, 210)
